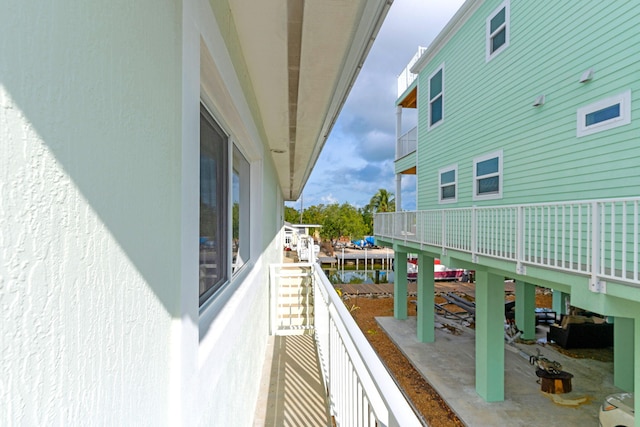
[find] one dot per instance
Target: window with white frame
(487, 176)
(240, 210)
(605, 114)
(498, 31)
(448, 184)
(214, 216)
(436, 97)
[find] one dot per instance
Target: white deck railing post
(520, 268)
(474, 234)
(595, 285)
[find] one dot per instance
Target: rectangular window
(240, 211)
(448, 184)
(487, 176)
(214, 222)
(436, 97)
(498, 31)
(605, 114)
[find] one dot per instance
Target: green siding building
(526, 163)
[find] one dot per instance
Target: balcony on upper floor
(406, 152)
(407, 143)
(406, 77)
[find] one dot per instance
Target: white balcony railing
(407, 143)
(361, 390)
(596, 238)
(406, 77)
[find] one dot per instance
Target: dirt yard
(424, 398)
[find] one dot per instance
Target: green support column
(526, 309)
(636, 366)
(623, 347)
(400, 286)
(426, 289)
(490, 336)
(559, 304)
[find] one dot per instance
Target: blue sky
(358, 156)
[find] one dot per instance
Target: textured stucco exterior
(99, 186)
(89, 193)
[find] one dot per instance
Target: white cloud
(357, 159)
(329, 199)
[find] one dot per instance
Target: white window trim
(624, 99)
(454, 183)
(244, 171)
(439, 122)
(507, 24)
(499, 174)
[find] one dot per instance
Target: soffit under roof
(302, 58)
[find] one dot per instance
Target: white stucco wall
(233, 331)
(99, 135)
(89, 210)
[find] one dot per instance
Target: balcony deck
(325, 364)
(595, 239)
(292, 390)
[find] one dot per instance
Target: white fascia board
(459, 19)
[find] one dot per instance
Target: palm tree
(382, 201)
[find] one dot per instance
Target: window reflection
(240, 210)
(213, 206)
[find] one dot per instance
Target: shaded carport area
(448, 363)
(489, 382)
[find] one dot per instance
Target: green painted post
(426, 289)
(559, 304)
(400, 286)
(623, 348)
(636, 367)
(526, 309)
(490, 336)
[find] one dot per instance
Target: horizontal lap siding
(488, 106)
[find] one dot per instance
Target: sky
(358, 157)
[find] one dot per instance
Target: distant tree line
(343, 220)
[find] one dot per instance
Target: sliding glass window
(240, 211)
(214, 221)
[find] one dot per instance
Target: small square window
(436, 97)
(487, 176)
(448, 184)
(498, 31)
(606, 114)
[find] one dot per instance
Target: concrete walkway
(449, 365)
(292, 390)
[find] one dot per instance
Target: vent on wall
(587, 76)
(539, 101)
